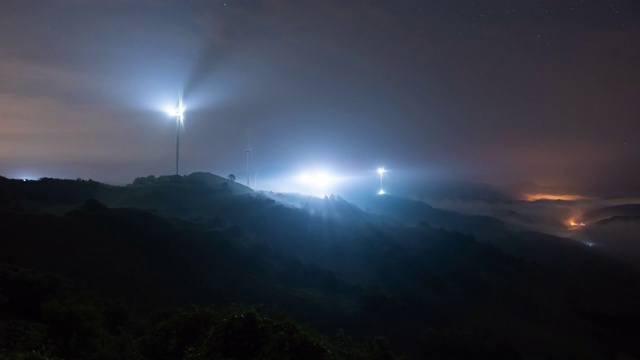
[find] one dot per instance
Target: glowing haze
(535, 97)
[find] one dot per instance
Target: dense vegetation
(156, 270)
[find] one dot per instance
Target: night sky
(533, 95)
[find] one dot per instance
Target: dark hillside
(167, 242)
(626, 210)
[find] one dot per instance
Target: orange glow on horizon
(566, 197)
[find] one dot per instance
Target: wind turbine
(381, 171)
(178, 113)
(248, 152)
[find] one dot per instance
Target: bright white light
(381, 171)
(304, 178)
(27, 177)
(317, 183)
(323, 179)
(381, 192)
(177, 111)
(318, 179)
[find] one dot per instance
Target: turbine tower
(178, 113)
(248, 152)
(381, 171)
(248, 161)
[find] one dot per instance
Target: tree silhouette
(231, 177)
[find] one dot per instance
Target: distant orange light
(536, 197)
(575, 223)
